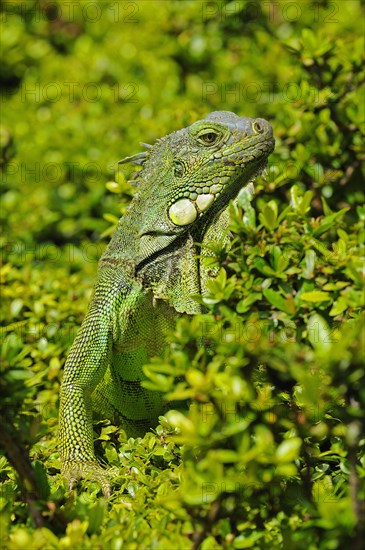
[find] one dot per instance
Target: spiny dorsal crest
(139, 159)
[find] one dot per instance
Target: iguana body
(149, 272)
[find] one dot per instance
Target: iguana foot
(73, 471)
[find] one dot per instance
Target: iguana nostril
(261, 126)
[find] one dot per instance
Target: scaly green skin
(148, 274)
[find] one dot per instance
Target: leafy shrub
(274, 428)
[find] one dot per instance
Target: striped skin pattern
(148, 274)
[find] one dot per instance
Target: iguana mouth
(246, 154)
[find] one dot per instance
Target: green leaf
(315, 296)
(16, 307)
(244, 541)
(41, 479)
(326, 209)
(245, 304)
(269, 214)
(319, 333)
(288, 450)
(300, 203)
(277, 259)
(276, 300)
(309, 264)
(306, 202)
(339, 306)
(244, 201)
(96, 515)
(111, 218)
(328, 222)
(113, 187)
(263, 267)
(225, 455)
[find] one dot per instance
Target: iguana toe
(74, 471)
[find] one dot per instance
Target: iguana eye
(208, 138)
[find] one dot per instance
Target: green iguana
(148, 274)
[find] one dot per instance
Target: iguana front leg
(85, 367)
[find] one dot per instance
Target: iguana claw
(87, 470)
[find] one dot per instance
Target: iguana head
(190, 175)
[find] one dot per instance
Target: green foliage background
(270, 453)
